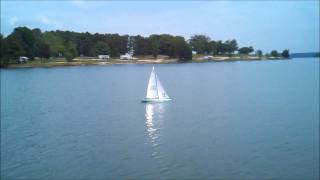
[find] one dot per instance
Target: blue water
(243, 119)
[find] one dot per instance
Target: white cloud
(44, 20)
(47, 21)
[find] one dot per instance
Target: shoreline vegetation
(84, 61)
(26, 47)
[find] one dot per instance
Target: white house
(103, 56)
(23, 59)
(208, 57)
(194, 52)
(126, 56)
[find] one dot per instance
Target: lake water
(243, 119)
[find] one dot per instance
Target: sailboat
(155, 90)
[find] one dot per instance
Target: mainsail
(155, 89)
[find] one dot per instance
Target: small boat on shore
(155, 90)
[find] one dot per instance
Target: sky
(265, 25)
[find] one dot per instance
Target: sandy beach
(80, 61)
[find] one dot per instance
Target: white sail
(161, 92)
(152, 91)
(155, 89)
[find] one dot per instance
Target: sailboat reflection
(155, 113)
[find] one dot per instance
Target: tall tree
(21, 39)
(37, 40)
(142, 45)
(70, 51)
(3, 54)
(166, 44)
(231, 46)
(246, 50)
(14, 47)
(200, 43)
(285, 53)
(55, 42)
(274, 53)
(85, 43)
(213, 47)
(155, 44)
(221, 47)
(117, 44)
(100, 47)
(181, 49)
(259, 53)
(2, 46)
(43, 50)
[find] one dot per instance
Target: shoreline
(98, 62)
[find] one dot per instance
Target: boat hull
(151, 100)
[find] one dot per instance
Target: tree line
(202, 44)
(35, 43)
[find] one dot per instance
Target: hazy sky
(263, 25)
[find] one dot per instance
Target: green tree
(200, 43)
(13, 47)
(1, 40)
(274, 53)
(285, 53)
(117, 44)
(100, 47)
(213, 47)
(3, 55)
(246, 50)
(44, 50)
(71, 51)
(231, 46)
(55, 42)
(166, 43)
(155, 44)
(69, 57)
(37, 40)
(142, 45)
(259, 53)
(21, 42)
(181, 49)
(85, 42)
(173, 46)
(25, 42)
(155, 48)
(221, 47)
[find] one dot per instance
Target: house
(103, 56)
(194, 52)
(208, 57)
(126, 56)
(23, 59)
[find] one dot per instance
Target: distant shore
(84, 61)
